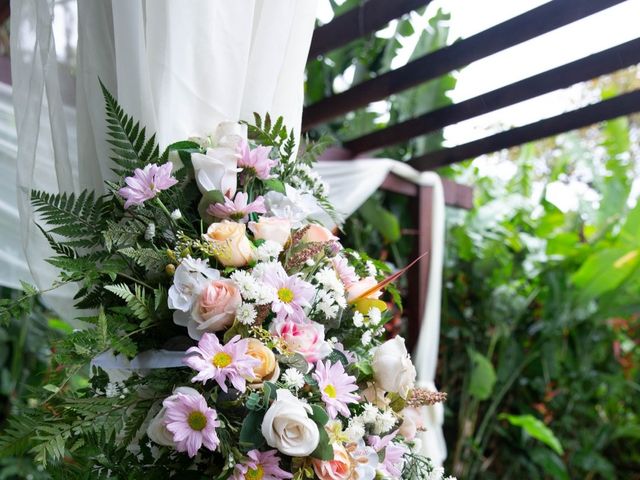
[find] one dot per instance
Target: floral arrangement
(215, 251)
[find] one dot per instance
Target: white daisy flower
(268, 251)
(292, 378)
(372, 271)
(358, 319)
(246, 314)
(375, 315)
(355, 431)
(370, 413)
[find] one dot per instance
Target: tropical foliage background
(539, 348)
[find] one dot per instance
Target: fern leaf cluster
(79, 219)
(128, 141)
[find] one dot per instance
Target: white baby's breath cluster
(293, 379)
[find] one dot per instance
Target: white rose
(288, 428)
(393, 370)
(157, 429)
(218, 168)
(294, 205)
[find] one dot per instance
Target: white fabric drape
(351, 183)
(178, 67)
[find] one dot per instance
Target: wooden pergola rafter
(373, 15)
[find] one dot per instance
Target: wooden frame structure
(372, 15)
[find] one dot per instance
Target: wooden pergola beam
(586, 68)
(364, 19)
(621, 105)
(531, 24)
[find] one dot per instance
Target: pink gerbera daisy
(237, 209)
(394, 453)
(336, 387)
(256, 160)
(192, 423)
(293, 293)
(220, 362)
(145, 184)
(345, 271)
(260, 466)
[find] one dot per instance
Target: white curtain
(180, 68)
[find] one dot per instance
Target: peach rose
(317, 233)
(275, 229)
(268, 368)
(216, 306)
(233, 248)
(339, 468)
(361, 286)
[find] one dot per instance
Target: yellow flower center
(331, 391)
(221, 359)
(197, 421)
(255, 473)
(285, 295)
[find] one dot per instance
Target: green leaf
(605, 271)
(214, 196)
(551, 463)
(483, 376)
(251, 433)
(295, 360)
(385, 222)
(336, 356)
(535, 428)
(274, 184)
(324, 450)
(270, 393)
(319, 415)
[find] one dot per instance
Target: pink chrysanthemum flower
(336, 387)
(346, 272)
(212, 360)
(393, 454)
(145, 184)
(192, 423)
(256, 160)
(237, 209)
(260, 466)
(293, 293)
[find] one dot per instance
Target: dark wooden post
(419, 274)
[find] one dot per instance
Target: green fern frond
(123, 234)
(80, 218)
(137, 300)
(266, 133)
(152, 260)
(58, 247)
(128, 141)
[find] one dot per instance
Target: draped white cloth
(180, 68)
